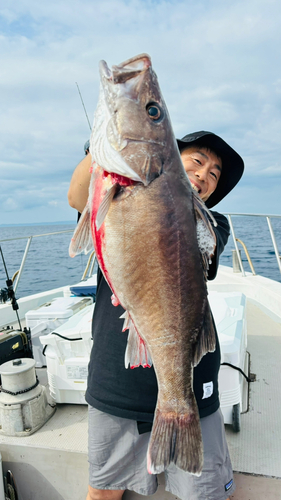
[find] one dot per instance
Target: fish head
(132, 134)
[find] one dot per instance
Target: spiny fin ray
(205, 233)
(137, 353)
(206, 340)
(104, 206)
(81, 240)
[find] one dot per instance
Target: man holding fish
(156, 243)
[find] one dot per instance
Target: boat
(52, 462)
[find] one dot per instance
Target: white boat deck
(56, 455)
(256, 449)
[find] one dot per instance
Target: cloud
(218, 65)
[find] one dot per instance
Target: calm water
(254, 232)
(49, 266)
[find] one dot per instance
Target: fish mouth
(105, 72)
(146, 141)
(127, 70)
(118, 85)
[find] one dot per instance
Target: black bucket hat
(232, 163)
(86, 147)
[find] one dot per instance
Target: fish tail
(176, 438)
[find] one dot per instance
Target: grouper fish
(142, 217)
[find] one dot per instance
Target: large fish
(141, 217)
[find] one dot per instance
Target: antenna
(11, 293)
(83, 106)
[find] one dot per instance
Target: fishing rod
(83, 106)
(11, 293)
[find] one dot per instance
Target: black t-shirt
(132, 393)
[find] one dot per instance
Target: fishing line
(83, 106)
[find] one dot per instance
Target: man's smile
(195, 186)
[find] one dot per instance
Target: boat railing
(235, 240)
(90, 265)
(29, 240)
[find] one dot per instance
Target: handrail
(273, 239)
(236, 246)
(38, 235)
(29, 240)
(88, 265)
(229, 215)
(278, 257)
(253, 215)
(23, 262)
(248, 256)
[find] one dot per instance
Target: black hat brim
(232, 163)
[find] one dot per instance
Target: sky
(219, 69)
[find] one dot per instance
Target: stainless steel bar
(236, 246)
(248, 256)
(274, 243)
(254, 215)
(23, 261)
(91, 257)
(37, 235)
(92, 266)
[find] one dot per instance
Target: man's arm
(79, 185)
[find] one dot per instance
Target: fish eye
(154, 111)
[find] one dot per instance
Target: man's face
(203, 168)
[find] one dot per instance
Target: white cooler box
(67, 360)
(48, 317)
(229, 311)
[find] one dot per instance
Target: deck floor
(255, 451)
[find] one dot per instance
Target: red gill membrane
(119, 179)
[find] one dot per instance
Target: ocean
(48, 264)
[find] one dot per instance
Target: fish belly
(151, 258)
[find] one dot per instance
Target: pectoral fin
(81, 240)
(104, 206)
(206, 339)
(205, 233)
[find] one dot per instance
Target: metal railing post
(92, 266)
(274, 243)
(23, 261)
(236, 246)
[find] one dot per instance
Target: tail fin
(176, 438)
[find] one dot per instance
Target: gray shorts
(117, 460)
